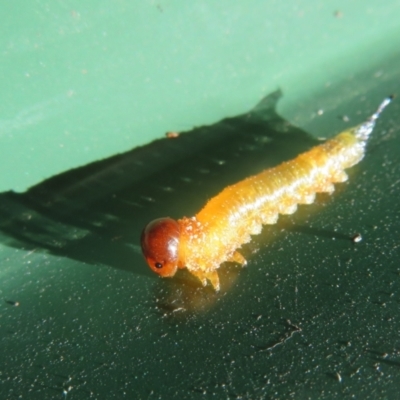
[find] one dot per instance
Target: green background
(249, 84)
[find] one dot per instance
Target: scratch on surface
(395, 183)
(294, 328)
(34, 114)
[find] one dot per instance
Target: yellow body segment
(229, 219)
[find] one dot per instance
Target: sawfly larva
(203, 242)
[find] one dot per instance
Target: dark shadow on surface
(95, 213)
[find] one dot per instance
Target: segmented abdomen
(240, 210)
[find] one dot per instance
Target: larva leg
(340, 176)
(212, 276)
(237, 258)
(214, 279)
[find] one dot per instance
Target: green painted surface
(82, 316)
(82, 82)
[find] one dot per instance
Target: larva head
(160, 246)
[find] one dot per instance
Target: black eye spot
(158, 265)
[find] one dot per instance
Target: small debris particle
(13, 303)
(339, 377)
(172, 135)
(357, 238)
(338, 14)
(179, 309)
(320, 111)
(345, 118)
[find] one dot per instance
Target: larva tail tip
(381, 107)
(363, 131)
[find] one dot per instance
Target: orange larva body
(202, 243)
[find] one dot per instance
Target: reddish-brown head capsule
(160, 245)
